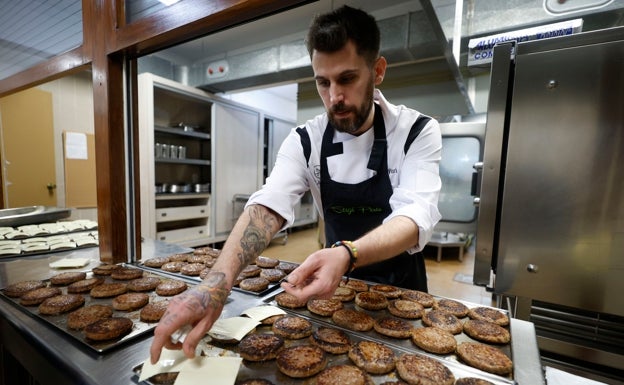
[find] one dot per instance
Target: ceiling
(415, 37)
(271, 50)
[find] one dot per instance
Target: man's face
(345, 83)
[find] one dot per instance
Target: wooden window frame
(109, 44)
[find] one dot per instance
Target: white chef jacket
(414, 176)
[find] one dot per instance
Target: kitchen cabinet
(191, 197)
(175, 135)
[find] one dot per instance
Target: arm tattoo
(211, 293)
(256, 236)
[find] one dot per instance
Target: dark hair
(330, 32)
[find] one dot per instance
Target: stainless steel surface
(485, 247)
(561, 204)
(551, 203)
(60, 321)
(53, 358)
(31, 215)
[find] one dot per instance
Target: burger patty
(289, 301)
(67, 277)
(266, 262)
(484, 357)
(353, 320)
(84, 285)
(179, 257)
(388, 291)
(272, 275)
(153, 311)
(130, 301)
(354, 284)
(156, 262)
(472, 381)
(287, 267)
(170, 287)
(486, 331)
(488, 314)
(110, 289)
(250, 271)
(343, 375)
(301, 361)
(144, 284)
(61, 304)
(331, 340)
(20, 288)
(324, 307)
(434, 340)
(421, 370)
(37, 296)
(192, 269)
(371, 300)
(260, 347)
(255, 284)
(108, 328)
(373, 357)
(79, 319)
(442, 320)
(344, 294)
(126, 274)
(393, 327)
(292, 327)
(406, 309)
(173, 266)
(425, 299)
(105, 269)
(456, 308)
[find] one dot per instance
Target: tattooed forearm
(261, 227)
(211, 293)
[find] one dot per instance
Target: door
(237, 162)
(28, 172)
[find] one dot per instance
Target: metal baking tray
(405, 344)
(60, 321)
(268, 370)
(272, 285)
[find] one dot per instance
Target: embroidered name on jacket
(344, 210)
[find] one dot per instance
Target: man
(372, 168)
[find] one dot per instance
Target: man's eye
(347, 79)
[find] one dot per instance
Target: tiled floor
(301, 243)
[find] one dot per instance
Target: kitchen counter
(50, 357)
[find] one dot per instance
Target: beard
(351, 125)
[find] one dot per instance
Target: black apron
(352, 210)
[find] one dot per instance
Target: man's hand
(319, 275)
(199, 307)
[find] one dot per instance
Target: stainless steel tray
(268, 370)
(271, 288)
(59, 322)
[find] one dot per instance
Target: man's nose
(336, 94)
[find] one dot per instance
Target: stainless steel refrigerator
(550, 232)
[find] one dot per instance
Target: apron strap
(417, 127)
(378, 152)
(305, 143)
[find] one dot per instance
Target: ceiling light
(168, 2)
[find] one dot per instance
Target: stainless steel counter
(52, 358)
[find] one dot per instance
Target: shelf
(181, 132)
(171, 196)
(197, 162)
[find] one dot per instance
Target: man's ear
(380, 69)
